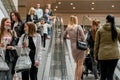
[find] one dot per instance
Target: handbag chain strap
(77, 38)
(77, 34)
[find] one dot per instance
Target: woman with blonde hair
(78, 55)
(31, 16)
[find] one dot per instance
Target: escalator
(55, 67)
(9, 5)
(58, 64)
(6, 6)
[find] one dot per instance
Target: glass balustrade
(9, 5)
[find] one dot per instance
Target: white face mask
(7, 27)
(26, 32)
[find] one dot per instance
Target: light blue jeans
(6, 75)
(2, 75)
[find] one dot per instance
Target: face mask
(7, 27)
(26, 32)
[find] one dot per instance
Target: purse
(80, 44)
(23, 63)
(3, 64)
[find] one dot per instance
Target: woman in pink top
(6, 38)
(78, 55)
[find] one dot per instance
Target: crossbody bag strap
(25, 36)
(79, 33)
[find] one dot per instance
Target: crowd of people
(30, 34)
(103, 57)
(36, 29)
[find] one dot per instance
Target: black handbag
(80, 44)
(11, 55)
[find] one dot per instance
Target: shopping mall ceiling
(86, 6)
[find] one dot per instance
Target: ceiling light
(59, 2)
(74, 7)
(56, 6)
(55, 9)
(113, 6)
(93, 3)
(71, 3)
(92, 8)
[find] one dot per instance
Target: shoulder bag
(23, 63)
(3, 64)
(79, 43)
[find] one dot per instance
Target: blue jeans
(49, 31)
(2, 75)
(6, 75)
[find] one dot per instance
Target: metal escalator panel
(9, 5)
(58, 64)
(3, 12)
(1, 15)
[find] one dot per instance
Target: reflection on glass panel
(1, 15)
(58, 69)
(9, 5)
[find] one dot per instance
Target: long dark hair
(17, 15)
(110, 19)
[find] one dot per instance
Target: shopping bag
(16, 77)
(23, 63)
(3, 64)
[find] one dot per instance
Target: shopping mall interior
(57, 61)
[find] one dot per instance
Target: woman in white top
(32, 41)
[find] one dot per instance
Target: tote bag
(3, 64)
(23, 63)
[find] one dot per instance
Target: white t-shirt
(15, 25)
(45, 28)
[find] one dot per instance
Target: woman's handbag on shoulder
(79, 43)
(23, 63)
(3, 64)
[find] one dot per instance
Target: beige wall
(101, 17)
(24, 5)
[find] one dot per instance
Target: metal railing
(55, 68)
(58, 63)
(117, 72)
